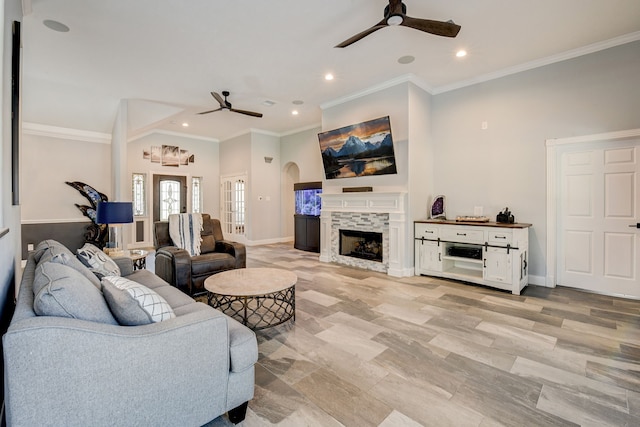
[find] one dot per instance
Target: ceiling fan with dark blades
(396, 14)
(226, 105)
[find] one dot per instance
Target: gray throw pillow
(69, 260)
(97, 261)
(61, 291)
(51, 246)
(133, 303)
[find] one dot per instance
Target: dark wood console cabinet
(307, 233)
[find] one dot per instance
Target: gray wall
(48, 162)
(303, 149)
(504, 165)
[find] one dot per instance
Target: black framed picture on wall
(15, 114)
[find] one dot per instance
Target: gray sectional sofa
(61, 370)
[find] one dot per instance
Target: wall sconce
(268, 159)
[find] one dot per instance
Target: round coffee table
(258, 297)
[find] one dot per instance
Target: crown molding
(66, 133)
(406, 78)
(172, 133)
(585, 50)
(302, 129)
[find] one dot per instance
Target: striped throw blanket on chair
(184, 230)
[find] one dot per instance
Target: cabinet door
(428, 257)
(497, 265)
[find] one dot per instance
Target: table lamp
(114, 214)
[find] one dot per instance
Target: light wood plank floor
(367, 349)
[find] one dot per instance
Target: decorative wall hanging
(96, 234)
(168, 155)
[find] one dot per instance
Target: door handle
(635, 226)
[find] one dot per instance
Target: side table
(139, 258)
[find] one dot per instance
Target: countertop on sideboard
(474, 223)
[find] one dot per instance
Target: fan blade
(211, 111)
(363, 34)
(248, 113)
(218, 98)
(439, 28)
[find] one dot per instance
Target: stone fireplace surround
(383, 212)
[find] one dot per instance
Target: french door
(233, 207)
(598, 216)
(169, 196)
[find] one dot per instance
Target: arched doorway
(290, 175)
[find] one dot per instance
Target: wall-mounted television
(357, 150)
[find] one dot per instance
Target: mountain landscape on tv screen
(360, 156)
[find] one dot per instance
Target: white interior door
(233, 207)
(599, 209)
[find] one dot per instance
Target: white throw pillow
(134, 304)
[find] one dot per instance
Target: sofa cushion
(208, 243)
(71, 261)
(215, 262)
(51, 250)
(97, 261)
(133, 303)
(46, 245)
(61, 291)
(243, 347)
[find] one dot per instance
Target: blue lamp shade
(114, 213)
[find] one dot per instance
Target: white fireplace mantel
(392, 203)
(364, 202)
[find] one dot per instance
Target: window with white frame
(196, 194)
(139, 189)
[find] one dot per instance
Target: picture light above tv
(362, 149)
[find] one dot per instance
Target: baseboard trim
(268, 241)
(539, 281)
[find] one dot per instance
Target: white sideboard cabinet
(486, 253)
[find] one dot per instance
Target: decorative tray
(472, 219)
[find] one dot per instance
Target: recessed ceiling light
(294, 112)
(461, 53)
(185, 125)
(55, 25)
(328, 76)
(268, 103)
(407, 59)
(297, 102)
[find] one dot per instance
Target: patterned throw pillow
(97, 261)
(134, 304)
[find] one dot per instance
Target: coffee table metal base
(258, 311)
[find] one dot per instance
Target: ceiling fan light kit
(226, 105)
(396, 14)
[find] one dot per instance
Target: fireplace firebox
(361, 244)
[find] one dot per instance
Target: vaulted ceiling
(166, 56)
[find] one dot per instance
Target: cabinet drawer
(457, 234)
(426, 231)
(504, 237)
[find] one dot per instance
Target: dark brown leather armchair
(188, 273)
